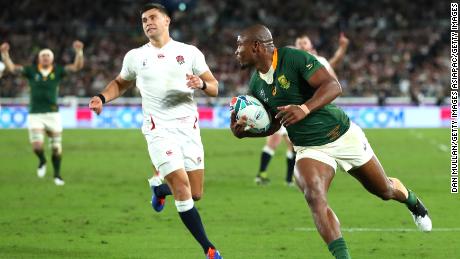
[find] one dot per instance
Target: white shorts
(172, 149)
(350, 151)
(282, 131)
(49, 121)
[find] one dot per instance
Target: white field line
(382, 229)
(420, 136)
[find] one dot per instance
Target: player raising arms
(298, 90)
(302, 42)
(167, 73)
(44, 80)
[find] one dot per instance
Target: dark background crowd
(397, 48)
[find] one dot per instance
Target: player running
(302, 42)
(298, 91)
(44, 80)
(167, 73)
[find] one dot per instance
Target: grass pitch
(103, 211)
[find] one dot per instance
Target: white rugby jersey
(160, 75)
(326, 65)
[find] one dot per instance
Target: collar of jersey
(268, 77)
(164, 46)
(45, 72)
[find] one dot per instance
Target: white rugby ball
(258, 118)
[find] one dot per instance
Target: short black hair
(157, 6)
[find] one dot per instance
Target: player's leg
(179, 184)
(267, 153)
(290, 160)
(37, 137)
(159, 190)
(313, 178)
(355, 155)
(53, 126)
(374, 179)
(55, 139)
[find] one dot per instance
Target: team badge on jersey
(284, 83)
(274, 90)
(52, 76)
(180, 60)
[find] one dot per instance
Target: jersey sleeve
(199, 65)
(128, 70)
(305, 63)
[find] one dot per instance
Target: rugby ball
(258, 118)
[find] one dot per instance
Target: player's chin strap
(304, 109)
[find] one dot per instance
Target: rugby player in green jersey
(303, 43)
(44, 79)
(297, 90)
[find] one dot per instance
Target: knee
(316, 198)
(37, 146)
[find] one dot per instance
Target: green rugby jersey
(290, 86)
(43, 89)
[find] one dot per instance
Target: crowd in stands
(397, 48)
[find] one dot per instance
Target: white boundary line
(382, 229)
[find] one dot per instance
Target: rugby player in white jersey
(167, 73)
(302, 42)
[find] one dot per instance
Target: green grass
(103, 211)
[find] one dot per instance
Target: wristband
(101, 97)
(304, 109)
(204, 86)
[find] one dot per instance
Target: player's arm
(327, 89)
(340, 52)
(205, 82)
(113, 90)
(10, 66)
(79, 59)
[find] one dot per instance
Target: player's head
(155, 20)
(303, 42)
(253, 44)
(45, 57)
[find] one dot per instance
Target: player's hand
(194, 82)
(238, 126)
(343, 40)
(95, 104)
(5, 47)
(290, 114)
(78, 45)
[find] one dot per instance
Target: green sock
(411, 199)
(339, 249)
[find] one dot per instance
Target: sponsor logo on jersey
(309, 66)
(52, 76)
(169, 152)
(262, 96)
(160, 56)
(180, 60)
(284, 83)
